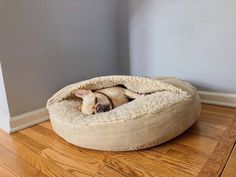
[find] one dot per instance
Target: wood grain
(218, 158)
(203, 150)
(230, 169)
(45, 166)
(19, 167)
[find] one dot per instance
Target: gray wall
(123, 36)
(193, 40)
(47, 44)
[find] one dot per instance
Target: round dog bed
(168, 107)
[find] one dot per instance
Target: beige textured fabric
(170, 107)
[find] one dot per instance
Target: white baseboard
(28, 119)
(215, 98)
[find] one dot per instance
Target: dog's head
(93, 102)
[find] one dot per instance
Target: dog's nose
(102, 107)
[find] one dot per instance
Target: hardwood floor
(230, 169)
(206, 149)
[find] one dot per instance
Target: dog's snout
(102, 107)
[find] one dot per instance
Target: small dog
(104, 99)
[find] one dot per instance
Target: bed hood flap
(140, 85)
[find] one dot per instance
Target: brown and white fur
(104, 99)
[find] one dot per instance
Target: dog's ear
(81, 93)
(102, 107)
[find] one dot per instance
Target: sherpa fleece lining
(160, 95)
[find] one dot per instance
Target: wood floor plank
(6, 171)
(108, 171)
(213, 131)
(218, 158)
(230, 168)
(48, 133)
(186, 156)
(215, 119)
(76, 166)
(46, 124)
(44, 165)
(200, 143)
(219, 110)
(118, 167)
(28, 142)
(153, 164)
(50, 139)
(19, 167)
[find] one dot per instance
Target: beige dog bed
(169, 107)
